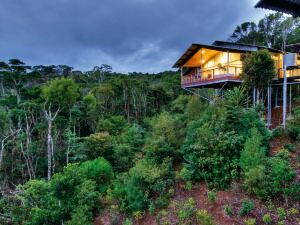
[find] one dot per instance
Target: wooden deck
(219, 79)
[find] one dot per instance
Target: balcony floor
(214, 83)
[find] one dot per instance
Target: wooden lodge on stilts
(219, 66)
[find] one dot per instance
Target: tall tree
(59, 95)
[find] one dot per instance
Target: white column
(284, 94)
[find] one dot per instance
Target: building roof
(219, 46)
(291, 7)
(294, 48)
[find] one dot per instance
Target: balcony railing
(207, 76)
(292, 73)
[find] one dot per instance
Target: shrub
(126, 146)
(185, 174)
(228, 210)
(145, 182)
(188, 186)
(213, 143)
(162, 218)
(290, 147)
(281, 213)
(204, 218)
(211, 195)
(71, 196)
(113, 125)
(282, 222)
(187, 211)
(247, 207)
(267, 219)
(253, 154)
(98, 144)
(293, 125)
(98, 170)
(293, 211)
(250, 221)
(128, 222)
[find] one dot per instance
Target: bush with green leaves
(246, 208)
(98, 145)
(146, 182)
(71, 196)
(211, 153)
(252, 162)
(250, 221)
(204, 218)
(267, 219)
(266, 176)
(125, 147)
(293, 125)
(213, 144)
(165, 138)
(187, 211)
(281, 213)
(211, 195)
(228, 210)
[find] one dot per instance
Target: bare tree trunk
(1, 152)
(50, 148)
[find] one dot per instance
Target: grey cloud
(131, 35)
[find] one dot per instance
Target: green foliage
(125, 147)
(267, 219)
(128, 222)
(265, 177)
(61, 92)
(98, 144)
(71, 196)
(293, 125)
(252, 161)
(187, 211)
(188, 186)
(185, 174)
(113, 125)
(281, 213)
(258, 69)
(246, 208)
(290, 147)
(211, 195)
(204, 218)
(228, 210)
(144, 181)
(292, 211)
(254, 154)
(250, 221)
(213, 143)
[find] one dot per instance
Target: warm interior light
(203, 61)
(224, 58)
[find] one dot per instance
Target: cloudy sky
(129, 35)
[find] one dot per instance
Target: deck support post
(284, 95)
(269, 122)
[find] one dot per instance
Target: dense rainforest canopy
(77, 144)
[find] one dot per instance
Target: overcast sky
(129, 35)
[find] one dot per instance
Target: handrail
(197, 75)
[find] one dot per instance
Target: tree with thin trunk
(258, 71)
(59, 95)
